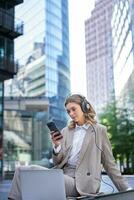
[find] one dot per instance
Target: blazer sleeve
(109, 164)
(58, 157)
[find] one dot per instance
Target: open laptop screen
(42, 184)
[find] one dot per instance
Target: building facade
(27, 140)
(10, 28)
(99, 58)
(123, 54)
(43, 54)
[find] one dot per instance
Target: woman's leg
(70, 186)
(15, 191)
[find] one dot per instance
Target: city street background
(51, 49)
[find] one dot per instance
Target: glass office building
(99, 58)
(10, 28)
(123, 53)
(43, 54)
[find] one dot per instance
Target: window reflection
(43, 56)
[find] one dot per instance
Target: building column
(1, 127)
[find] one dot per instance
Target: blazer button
(88, 173)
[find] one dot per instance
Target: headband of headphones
(84, 104)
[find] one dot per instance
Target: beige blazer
(95, 151)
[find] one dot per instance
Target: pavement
(4, 189)
(106, 186)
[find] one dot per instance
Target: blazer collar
(84, 126)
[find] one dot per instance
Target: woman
(81, 152)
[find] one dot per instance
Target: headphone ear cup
(85, 106)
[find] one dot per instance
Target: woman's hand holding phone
(56, 136)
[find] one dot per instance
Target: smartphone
(53, 127)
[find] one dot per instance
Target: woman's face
(75, 112)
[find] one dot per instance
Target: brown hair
(89, 115)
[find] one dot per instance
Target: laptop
(42, 184)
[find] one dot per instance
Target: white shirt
(79, 134)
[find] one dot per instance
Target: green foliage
(120, 127)
(108, 118)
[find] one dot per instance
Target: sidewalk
(106, 186)
(4, 189)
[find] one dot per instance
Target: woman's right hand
(56, 138)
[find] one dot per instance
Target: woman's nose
(71, 113)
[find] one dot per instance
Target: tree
(120, 127)
(108, 118)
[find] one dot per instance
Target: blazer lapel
(68, 148)
(85, 144)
